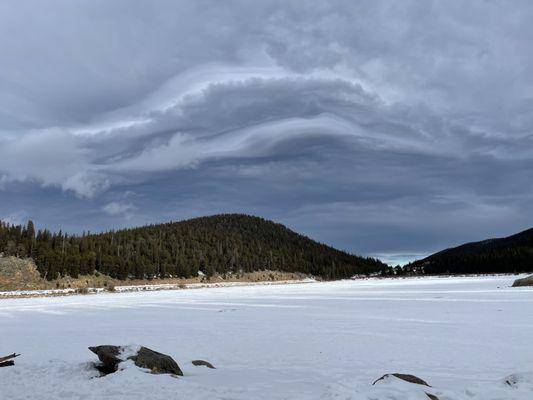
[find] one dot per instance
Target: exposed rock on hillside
(22, 274)
(18, 274)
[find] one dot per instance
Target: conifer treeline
(504, 255)
(217, 244)
(511, 260)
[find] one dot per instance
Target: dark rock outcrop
(109, 357)
(405, 377)
(527, 281)
(156, 362)
(411, 379)
(199, 363)
(19, 274)
(7, 363)
(112, 356)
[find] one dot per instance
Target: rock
(527, 281)
(143, 357)
(19, 274)
(432, 396)
(405, 377)
(109, 356)
(199, 363)
(7, 363)
(156, 362)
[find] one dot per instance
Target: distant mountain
(219, 244)
(509, 254)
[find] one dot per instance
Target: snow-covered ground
(306, 341)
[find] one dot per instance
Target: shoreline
(24, 294)
(118, 289)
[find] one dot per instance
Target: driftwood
(7, 360)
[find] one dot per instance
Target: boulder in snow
(404, 377)
(158, 363)
(410, 379)
(110, 357)
(199, 363)
(527, 281)
(143, 357)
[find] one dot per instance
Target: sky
(385, 128)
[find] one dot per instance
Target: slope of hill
(219, 244)
(17, 274)
(510, 254)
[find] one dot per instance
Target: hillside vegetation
(220, 244)
(504, 255)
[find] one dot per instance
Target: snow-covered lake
(305, 341)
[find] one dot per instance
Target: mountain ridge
(215, 244)
(507, 254)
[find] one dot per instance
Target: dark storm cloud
(380, 127)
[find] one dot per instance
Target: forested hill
(214, 245)
(509, 254)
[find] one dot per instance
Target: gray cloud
(379, 127)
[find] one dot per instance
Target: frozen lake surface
(306, 341)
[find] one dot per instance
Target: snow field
(464, 336)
